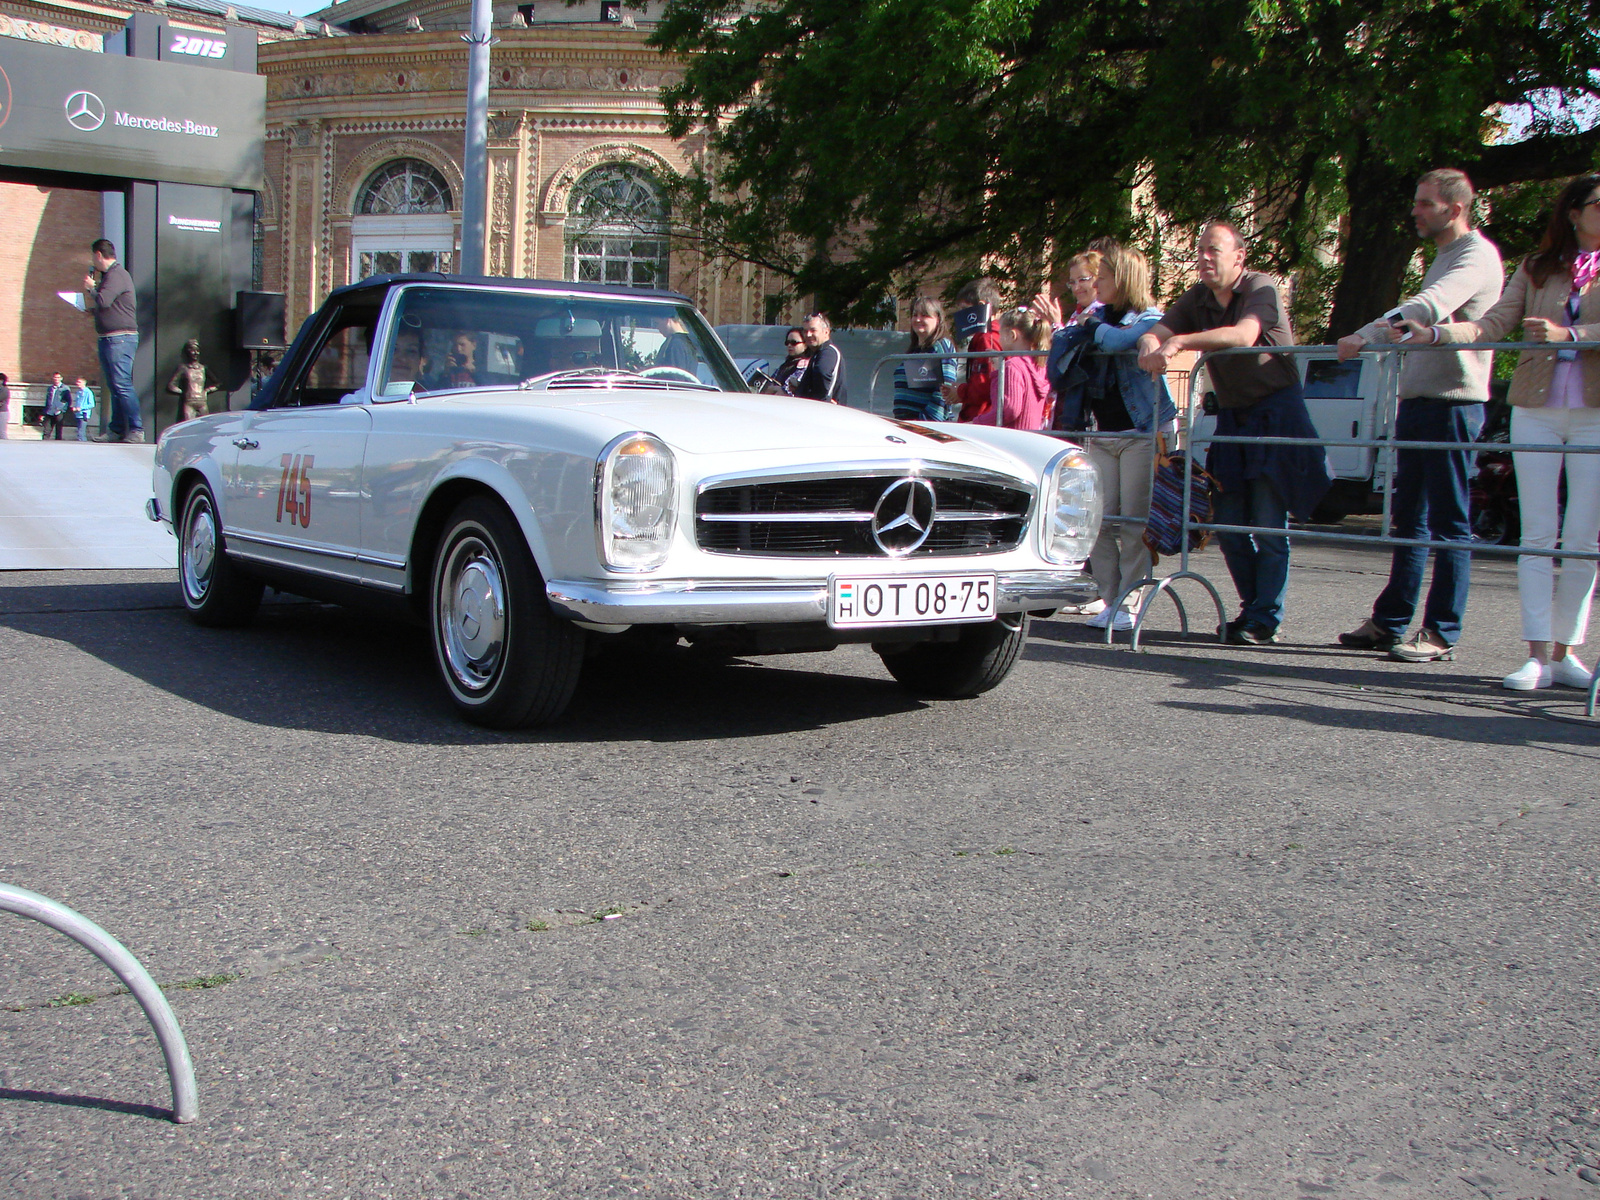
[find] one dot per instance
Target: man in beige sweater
(1441, 400)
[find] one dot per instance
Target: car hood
(703, 423)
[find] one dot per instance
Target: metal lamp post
(475, 159)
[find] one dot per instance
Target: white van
(1346, 400)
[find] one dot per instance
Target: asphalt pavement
(1200, 921)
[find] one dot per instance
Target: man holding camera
(1441, 400)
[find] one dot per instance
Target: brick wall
(44, 249)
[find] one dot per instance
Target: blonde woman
(1082, 270)
(1556, 401)
(1122, 398)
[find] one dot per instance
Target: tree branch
(1547, 157)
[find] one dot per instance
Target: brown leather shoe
(1425, 646)
(1369, 637)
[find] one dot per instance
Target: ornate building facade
(365, 138)
(365, 129)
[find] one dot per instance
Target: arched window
(617, 228)
(402, 221)
(404, 187)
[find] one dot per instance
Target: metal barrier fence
(1390, 357)
(1390, 446)
(180, 1070)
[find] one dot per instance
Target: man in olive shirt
(114, 306)
(1259, 396)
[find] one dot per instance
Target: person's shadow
(1317, 684)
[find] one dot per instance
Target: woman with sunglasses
(1555, 399)
(795, 360)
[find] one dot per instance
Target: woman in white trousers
(1556, 402)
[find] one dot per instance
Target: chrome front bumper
(772, 601)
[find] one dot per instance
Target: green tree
(849, 147)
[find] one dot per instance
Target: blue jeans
(1259, 563)
(116, 364)
(1430, 502)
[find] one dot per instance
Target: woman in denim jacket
(1119, 397)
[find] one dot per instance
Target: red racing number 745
(294, 489)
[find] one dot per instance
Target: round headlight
(635, 488)
(1073, 507)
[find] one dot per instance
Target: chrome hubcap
(472, 613)
(199, 551)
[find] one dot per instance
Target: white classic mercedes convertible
(528, 466)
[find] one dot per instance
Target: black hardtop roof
(384, 283)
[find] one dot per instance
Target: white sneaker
(1530, 675)
(1085, 610)
(1100, 620)
(1569, 672)
(1123, 622)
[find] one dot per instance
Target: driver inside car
(677, 351)
(405, 364)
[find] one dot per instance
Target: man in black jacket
(116, 321)
(824, 376)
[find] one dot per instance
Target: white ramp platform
(78, 505)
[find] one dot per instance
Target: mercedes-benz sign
(85, 111)
(903, 517)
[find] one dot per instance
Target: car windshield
(445, 339)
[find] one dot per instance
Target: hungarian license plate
(913, 600)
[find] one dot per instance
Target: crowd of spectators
(1093, 362)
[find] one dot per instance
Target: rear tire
(970, 666)
(507, 660)
(215, 591)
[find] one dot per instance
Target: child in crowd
(919, 383)
(1028, 403)
(972, 396)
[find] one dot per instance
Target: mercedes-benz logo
(85, 111)
(904, 516)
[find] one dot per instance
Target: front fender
(171, 474)
(497, 479)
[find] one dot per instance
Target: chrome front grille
(831, 517)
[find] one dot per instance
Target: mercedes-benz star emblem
(85, 111)
(904, 516)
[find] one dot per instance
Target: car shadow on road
(1328, 686)
(303, 665)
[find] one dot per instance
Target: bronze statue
(193, 382)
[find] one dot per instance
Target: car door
(295, 499)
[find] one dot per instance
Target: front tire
(507, 660)
(215, 591)
(979, 660)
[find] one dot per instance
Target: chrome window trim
(391, 306)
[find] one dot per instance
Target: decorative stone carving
(504, 126)
(51, 35)
(503, 169)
